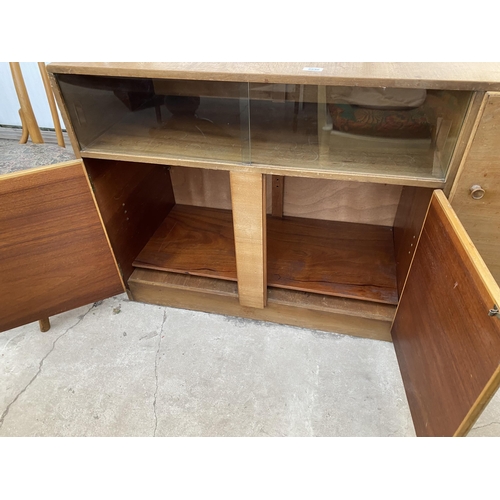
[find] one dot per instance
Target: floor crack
(486, 425)
(40, 366)
(156, 371)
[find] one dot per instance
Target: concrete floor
(121, 368)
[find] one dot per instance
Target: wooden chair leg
(44, 324)
(52, 104)
(24, 101)
(26, 134)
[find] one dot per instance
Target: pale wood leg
(44, 324)
(52, 104)
(248, 197)
(25, 134)
(24, 101)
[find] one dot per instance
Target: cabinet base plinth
(331, 314)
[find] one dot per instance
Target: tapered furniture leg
(44, 324)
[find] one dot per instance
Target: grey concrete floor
(121, 368)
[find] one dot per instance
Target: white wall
(9, 104)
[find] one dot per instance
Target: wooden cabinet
(288, 197)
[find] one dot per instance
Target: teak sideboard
(358, 198)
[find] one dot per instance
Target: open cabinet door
(446, 336)
(54, 253)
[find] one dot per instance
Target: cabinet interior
(327, 240)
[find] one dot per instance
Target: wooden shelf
(348, 154)
(192, 240)
(331, 258)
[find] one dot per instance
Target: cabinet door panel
(481, 218)
(54, 254)
(447, 345)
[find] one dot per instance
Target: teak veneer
(228, 188)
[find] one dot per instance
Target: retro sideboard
(355, 198)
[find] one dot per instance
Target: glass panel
(404, 133)
(162, 118)
(383, 131)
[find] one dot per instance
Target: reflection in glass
(166, 118)
(402, 132)
(377, 131)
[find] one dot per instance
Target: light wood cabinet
(271, 193)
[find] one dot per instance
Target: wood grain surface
(481, 218)
(133, 200)
(341, 201)
(408, 223)
(448, 347)
(433, 75)
(332, 258)
(288, 307)
(201, 187)
(193, 240)
(303, 197)
(467, 131)
(248, 195)
(54, 255)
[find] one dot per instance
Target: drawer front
(479, 212)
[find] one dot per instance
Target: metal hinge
(494, 311)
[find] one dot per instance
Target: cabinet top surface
(457, 76)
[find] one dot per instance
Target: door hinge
(494, 311)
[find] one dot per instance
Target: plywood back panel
(341, 201)
(311, 198)
(201, 187)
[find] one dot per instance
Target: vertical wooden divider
(248, 196)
